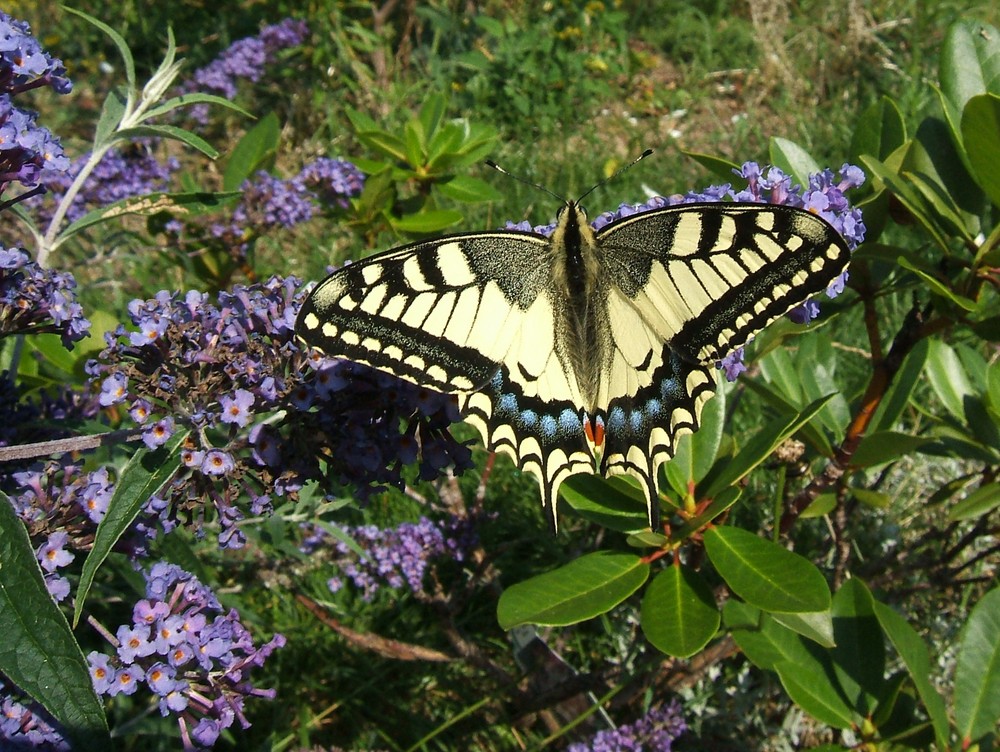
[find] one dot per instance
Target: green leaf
(696, 452)
(879, 131)
(719, 504)
(468, 189)
(981, 134)
(120, 43)
(431, 113)
(907, 196)
(427, 222)
(613, 503)
(583, 589)
(901, 388)
(384, 143)
(950, 188)
(38, 652)
(873, 499)
(937, 286)
(185, 204)
(721, 168)
(764, 574)
(978, 503)
(977, 671)
(913, 653)
(186, 100)
(859, 655)
(255, 151)
(885, 446)
(679, 615)
(145, 474)
(171, 132)
(822, 505)
(948, 378)
(764, 641)
(809, 686)
(112, 112)
(793, 159)
(969, 66)
(760, 447)
(817, 626)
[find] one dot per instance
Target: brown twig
(69, 444)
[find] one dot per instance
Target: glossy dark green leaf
(898, 395)
(969, 66)
(613, 503)
(584, 588)
(717, 506)
(935, 165)
(879, 131)
(809, 685)
(936, 285)
(982, 501)
(859, 655)
(144, 476)
(907, 196)
(255, 151)
(765, 574)
(977, 670)
(38, 652)
(764, 640)
(760, 447)
(821, 505)
(679, 615)
(915, 657)
(885, 446)
(948, 378)
(815, 625)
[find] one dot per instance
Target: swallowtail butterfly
(583, 351)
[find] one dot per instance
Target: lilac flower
(24, 64)
(654, 732)
(96, 495)
(397, 556)
(221, 368)
(333, 181)
(236, 408)
(198, 660)
(35, 300)
(24, 724)
(157, 434)
(53, 555)
(245, 59)
(29, 153)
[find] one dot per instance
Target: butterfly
(584, 351)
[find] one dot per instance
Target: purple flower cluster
(58, 496)
(34, 300)
(24, 64)
(28, 152)
(188, 652)
(263, 417)
(654, 732)
(244, 59)
(398, 556)
(24, 724)
(270, 203)
(119, 175)
(333, 181)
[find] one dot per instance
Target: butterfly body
(586, 350)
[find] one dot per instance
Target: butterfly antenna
(615, 174)
(519, 179)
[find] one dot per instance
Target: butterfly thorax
(583, 321)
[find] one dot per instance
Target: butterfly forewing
(497, 317)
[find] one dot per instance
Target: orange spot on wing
(594, 430)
